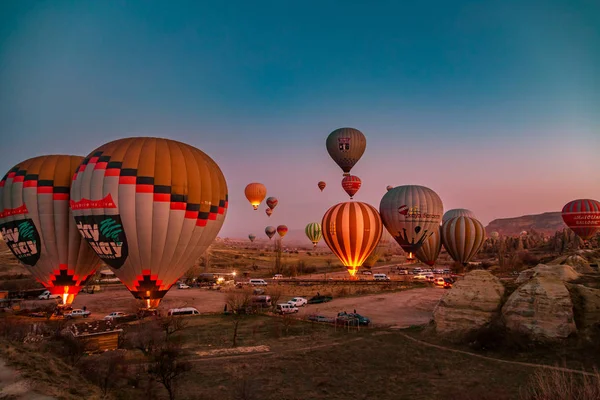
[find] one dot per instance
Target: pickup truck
(77, 313)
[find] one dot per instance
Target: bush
(495, 337)
(560, 385)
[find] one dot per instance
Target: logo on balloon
(414, 213)
(106, 237)
(344, 144)
(23, 239)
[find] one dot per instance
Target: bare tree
(238, 302)
(167, 367)
(171, 324)
(146, 337)
(275, 293)
(278, 268)
(105, 369)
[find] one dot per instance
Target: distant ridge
(547, 223)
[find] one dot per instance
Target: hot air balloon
(282, 230)
(314, 232)
(270, 231)
(457, 212)
(272, 202)
(582, 216)
(494, 235)
(38, 227)
(411, 214)
(149, 207)
(462, 238)
(269, 211)
(321, 185)
(389, 187)
(351, 184)
(255, 193)
(346, 146)
(381, 248)
(251, 237)
(352, 230)
(430, 250)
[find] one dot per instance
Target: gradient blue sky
(495, 105)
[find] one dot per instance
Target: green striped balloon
(314, 232)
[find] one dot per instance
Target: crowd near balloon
(149, 207)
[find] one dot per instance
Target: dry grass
(560, 385)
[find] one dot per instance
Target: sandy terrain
(399, 309)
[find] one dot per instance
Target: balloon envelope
(38, 227)
(457, 212)
(255, 193)
(411, 214)
(272, 202)
(270, 231)
(351, 184)
(462, 238)
(352, 230)
(346, 146)
(251, 237)
(314, 232)
(149, 207)
(430, 250)
(389, 187)
(269, 211)
(381, 248)
(582, 216)
(282, 230)
(321, 185)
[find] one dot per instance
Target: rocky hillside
(547, 223)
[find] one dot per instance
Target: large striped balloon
(149, 207)
(382, 247)
(314, 232)
(457, 212)
(462, 238)
(37, 224)
(346, 146)
(411, 214)
(582, 216)
(352, 230)
(430, 250)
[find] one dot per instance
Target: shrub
(561, 385)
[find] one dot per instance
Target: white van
(381, 277)
(183, 311)
(286, 308)
(258, 282)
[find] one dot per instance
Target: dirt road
(399, 309)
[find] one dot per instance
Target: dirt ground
(397, 310)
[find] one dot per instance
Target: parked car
(319, 299)
(420, 277)
(298, 301)
(448, 282)
(114, 315)
(183, 311)
(439, 282)
(285, 308)
(262, 301)
(381, 277)
(358, 319)
(278, 276)
(366, 273)
(46, 295)
(77, 313)
(320, 318)
(258, 282)
(183, 286)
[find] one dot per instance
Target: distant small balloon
(282, 230)
(272, 202)
(321, 185)
(255, 193)
(270, 231)
(269, 211)
(314, 232)
(389, 187)
(351, 184)
(251, 237)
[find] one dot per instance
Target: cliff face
(547, 223)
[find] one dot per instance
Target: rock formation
(469, 305)
(561, 272)
(541, 308)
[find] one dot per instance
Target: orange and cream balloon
(38, 226)
(149, 207)
(430, 250)
(462, 238)
(255, 193)
(352, 230)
